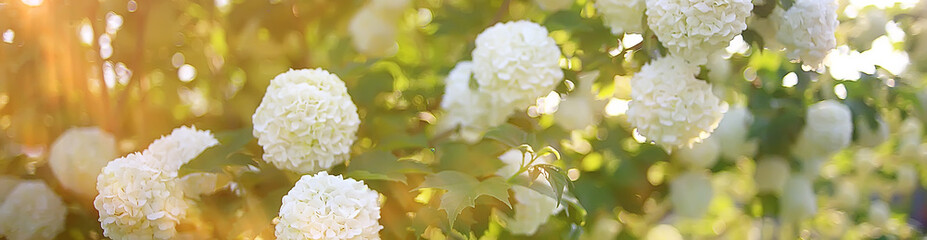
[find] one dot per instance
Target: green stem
(523, 168)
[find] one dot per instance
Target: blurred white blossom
(798, 200)
(77, 157)
(622, 16)
(32, 211)
(828, 129)
(691, 193)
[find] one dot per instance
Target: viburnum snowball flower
(669, 105)
(622, 16)
(138, 200)
(467, 107)
(32, 211)
(771, 174)
(798, 200)
(731, 133)
(871, 136)
(605, 227)
(78, 155)
(532, 209)
(879, 212)
(906, 176)
(691, 193)
(664, 232)
(865, 161)
(306, 121)
(848, 194)
(909, 141)
(807, 29)
(323, 206)
(581, 108)
(811, 168)
(514, 63)
(701, 155)
(578, 111)
(554, 5)
(693, 29)
(828, 129)
(182, 145)
(372, 32)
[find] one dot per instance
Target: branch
(502, 10)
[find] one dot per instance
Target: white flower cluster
(669, 105)
(373, 27)
(322, 206)
(691, 193)
(622, 16)
(32, 211)
(513, 64)
(871, 136)
(581, 108)
(306, 121)
(531, 211)
(693, 29)
(828, 129)
(771, 174)
(700, 156)
(732, 132)
(140, 195)
(138, 200)
(77, 156)
(182, 145)
(798, 201)
(467, 107)
(532, 208)
(807, 29)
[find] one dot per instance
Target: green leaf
(227, 153)
(576, 212)
(507, 134)
(403, 141)
(557, 178)
(462, 190)
(477, 160)
(382, 165)
(765, 9)
(753, 39)
(529, 182)
(786, 4)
